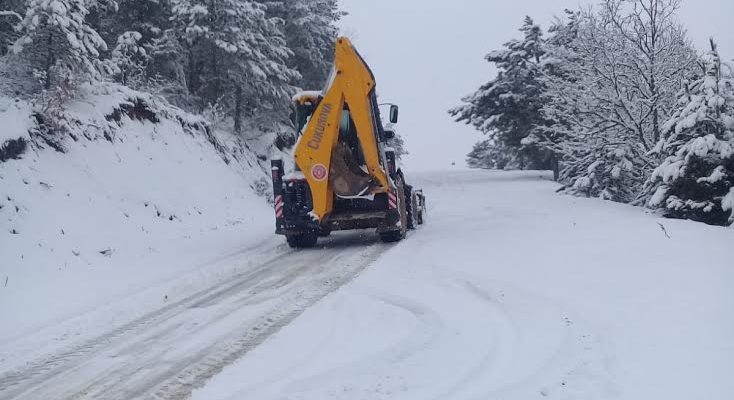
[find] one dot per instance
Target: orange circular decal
(319, 172)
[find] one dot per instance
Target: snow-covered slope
(142, 194)
(514, 292)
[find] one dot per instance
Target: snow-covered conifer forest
(616, 101)
(160, 237)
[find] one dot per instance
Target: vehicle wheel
(410, 206)
(325, 233)
(391, 236)
(398, 235)
(302, 241)
(420, 206)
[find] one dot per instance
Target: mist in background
(428, 54)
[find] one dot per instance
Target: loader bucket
(346, 178)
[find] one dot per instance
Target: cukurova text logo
(318, 136)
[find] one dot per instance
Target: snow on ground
(136, 217)
(15, 119)
(515, 292)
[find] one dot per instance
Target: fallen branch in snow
(4, 13)
(107, 252)
(665, 231)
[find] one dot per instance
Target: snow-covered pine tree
(11, 13)
(132, 26)
(59, 44)
(310, 31)
(696, 179)
(487, 155)
(236, 54)
(507, 108)
(557, 50)
(129, 58)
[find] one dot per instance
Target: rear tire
(391, 236)
(302, 241)
(398, 235)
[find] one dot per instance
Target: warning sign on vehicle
(319, 172)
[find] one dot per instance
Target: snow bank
(143, 194)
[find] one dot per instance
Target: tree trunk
(238, 109)
(49, 61)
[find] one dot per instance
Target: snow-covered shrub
(611, 173)
(486, 154)
(695, 180)
(12, 149)
(129, 59)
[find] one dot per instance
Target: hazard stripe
(392, 200)
(279, 206)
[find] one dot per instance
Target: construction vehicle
(345, 175)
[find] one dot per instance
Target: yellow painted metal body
(352, 84)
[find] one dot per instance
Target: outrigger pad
(346, 177)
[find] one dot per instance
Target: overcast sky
(428, 54)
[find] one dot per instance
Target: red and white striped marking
(392, 200)
(279, 206)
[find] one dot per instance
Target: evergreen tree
(696, 178)
(132, 27)
(507, 108)
(11, 13)
(129, 57)
(310, 31)
(487, 155)
(236, 54)
(59, 44)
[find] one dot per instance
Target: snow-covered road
(514, 292)
(510, 291)
(169, 351)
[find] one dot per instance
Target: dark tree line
(241, 57)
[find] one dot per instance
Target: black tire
(325, 233)
(419, 218)
(409, 206)
(391, 236)
(419, 202)
(398, 235)
(302, 241)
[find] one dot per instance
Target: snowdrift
(122, 192)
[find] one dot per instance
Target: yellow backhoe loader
(346, 176)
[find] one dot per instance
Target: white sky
(428, 54)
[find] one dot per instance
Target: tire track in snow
(291, 290)
(568, 353)
(49, 367)
(429, 326)
(504, 337)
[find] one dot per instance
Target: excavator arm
(353, 85)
